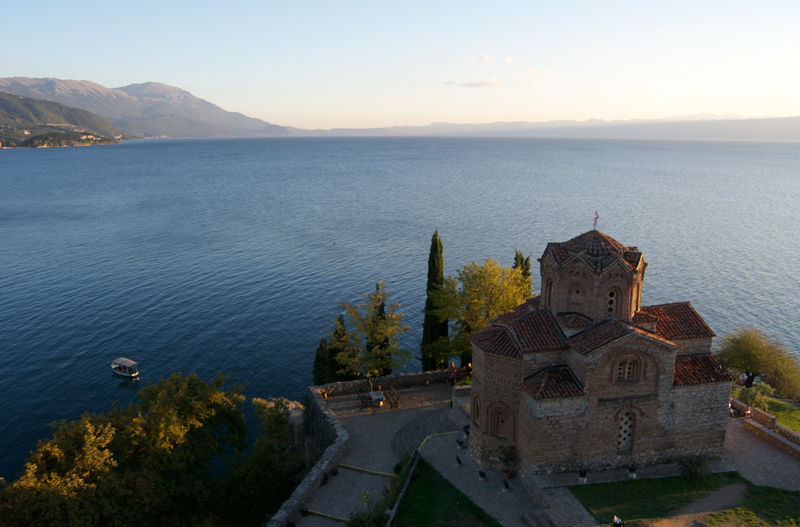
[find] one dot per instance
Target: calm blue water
(232, 255)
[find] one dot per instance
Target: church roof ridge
(597, 249)
(606, 332)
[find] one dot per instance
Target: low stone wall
(738, 405)
(764, 418)
(401, 380)
(772, 438)
(768, 421)
(328, 433)
(791, 435)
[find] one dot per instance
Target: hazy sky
(377, 63)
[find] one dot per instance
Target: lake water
(233, 254)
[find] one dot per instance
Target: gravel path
(694, 514)
(758, 461)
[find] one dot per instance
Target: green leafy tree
(757, 396)
(326, 368)
(371, 346)
(378, 346)
(524, 265)
(257, 484)
(477, 295)
(435, 345)
(147, 464)
(750, 352)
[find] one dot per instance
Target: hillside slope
(149, 109)
(27, 122)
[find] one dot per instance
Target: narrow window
(625, 432)
(612, 302)
(628, 370)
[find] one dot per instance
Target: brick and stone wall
(694, 346)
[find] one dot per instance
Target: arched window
(613, 301)
(548, 298)
(476, 412)
(627, 422)
(501, 423)
(627, 370)
(575, 298)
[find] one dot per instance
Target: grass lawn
(786, 412)
(432, 500)
(647, 499)
(762, 507)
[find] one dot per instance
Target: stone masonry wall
(327, 433)
(400, 380)
(773, 439)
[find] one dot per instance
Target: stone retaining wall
(791, 435)
(764, 418)
(772, 438)
(327, 433)
(768, 421)
(400, 380)
(738, 405)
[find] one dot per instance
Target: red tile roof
(699, 369)
(678, 321)
(640, 317)
(601, 249)
(594, 243)
(551, 383)
(495, 339)
(524, 331)
(537, 331)
(606, 332)
(574, 320)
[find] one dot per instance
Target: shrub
(372, 515)
(757, 396)
(694, 467)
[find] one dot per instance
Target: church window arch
(627, 370)
(613, 301)
(625, 432)
(548, 298)
(575, 298)
(476, 411)
(500, 422)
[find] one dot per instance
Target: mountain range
(150, 109)
(153, 109)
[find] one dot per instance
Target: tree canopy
(326, 368)
(434, 329)
(147, 464)
(750, 352)
(478, 294)
(524, 265)
(371, 346)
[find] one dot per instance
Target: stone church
(586, 377)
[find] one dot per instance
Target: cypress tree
(524, 265)
(433, 329)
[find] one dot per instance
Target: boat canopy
(122, 361)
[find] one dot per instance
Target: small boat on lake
(125, 367)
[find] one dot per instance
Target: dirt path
(693, 514)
